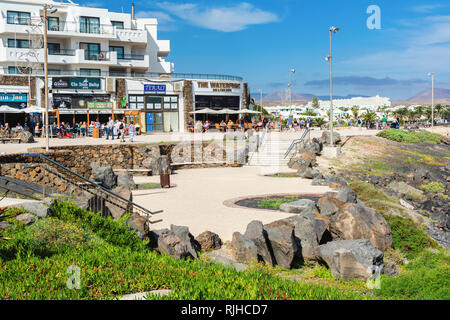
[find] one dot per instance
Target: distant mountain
(425, 95)
(280, 96)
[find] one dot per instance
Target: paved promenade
(198, 199)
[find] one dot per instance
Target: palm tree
(438, 109)
(355, 111)
(369, 118)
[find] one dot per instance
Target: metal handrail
(258, 145)
(17, 182)
(134, 205)
(295, 142)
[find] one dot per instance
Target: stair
(271, 153)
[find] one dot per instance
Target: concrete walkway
(6, 202)
(198, 199)
(160, 137)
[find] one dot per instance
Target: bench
(3, 140)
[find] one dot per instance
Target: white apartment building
(82, 41)
(101, 64)
(371, 103)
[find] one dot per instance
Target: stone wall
(188, 97)
(245, 95)
(79, 158)
(120, 92)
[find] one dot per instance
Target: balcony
(131, 35)
(133, 60)
(163, 48)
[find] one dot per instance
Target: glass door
(91, 50)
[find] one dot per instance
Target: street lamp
(330, 59)
(431, 74)
(52, 10)
(291, 71)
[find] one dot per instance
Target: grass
(403, 136)
(114, 262)
(275, 203)
(407, 236)
(434, 187)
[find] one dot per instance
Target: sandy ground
(198, 199)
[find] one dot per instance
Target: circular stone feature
(273, 202)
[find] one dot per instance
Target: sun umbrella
(33, 109)
(8, 109)
(205, 111)
(227, 111)
(248, 111)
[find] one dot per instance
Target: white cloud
(427, 8)
(226, 19)
(165, 21)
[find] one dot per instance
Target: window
(89, 25)
(17, 17)
(91, 50)
(117, 24)
(53, 23)
(54, 48)
(18, 43)
(90, 72)
(120, 51)
(13, 70)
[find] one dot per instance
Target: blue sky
(262, 40)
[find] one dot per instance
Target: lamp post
(291, 71)
(431, 74)
(330, 59)
(52, 10)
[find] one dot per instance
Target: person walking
(110, 129)
(121, 130)
(132, 130)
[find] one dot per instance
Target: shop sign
(219, 86)
(154, 88)
(13, 97)
(76, 83)
(99, 105)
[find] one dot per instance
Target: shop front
(81, 99)
(158, 106)
(217, 95)
(15, 101)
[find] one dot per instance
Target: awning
(8, 109)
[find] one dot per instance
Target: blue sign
(13, 97)
(154, 88)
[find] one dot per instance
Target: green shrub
(52, 235)
(114, 232)
(407, 236)
(433, 187)
(427, 278)
(410, 137)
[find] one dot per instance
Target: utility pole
(432, 98)
(290, 91)
(330, 59)
(46, 78)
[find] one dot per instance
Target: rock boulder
(243, 249)
(285, 246)
(350, 259)
(298, 206)
(209, 241)
(105, 177)
(255, 232)
(354, 221)
(176, 242)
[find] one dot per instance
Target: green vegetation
(434, 187)
(407, 236)
(410, 137)
(147, 186)
(114, 262)
(425, 278)
(275, 203)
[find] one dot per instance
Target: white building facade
(101, 64)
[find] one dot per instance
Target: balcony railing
(17, 20)
(130, 57)
(124, 74)
(96, 55)
(61, 52)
